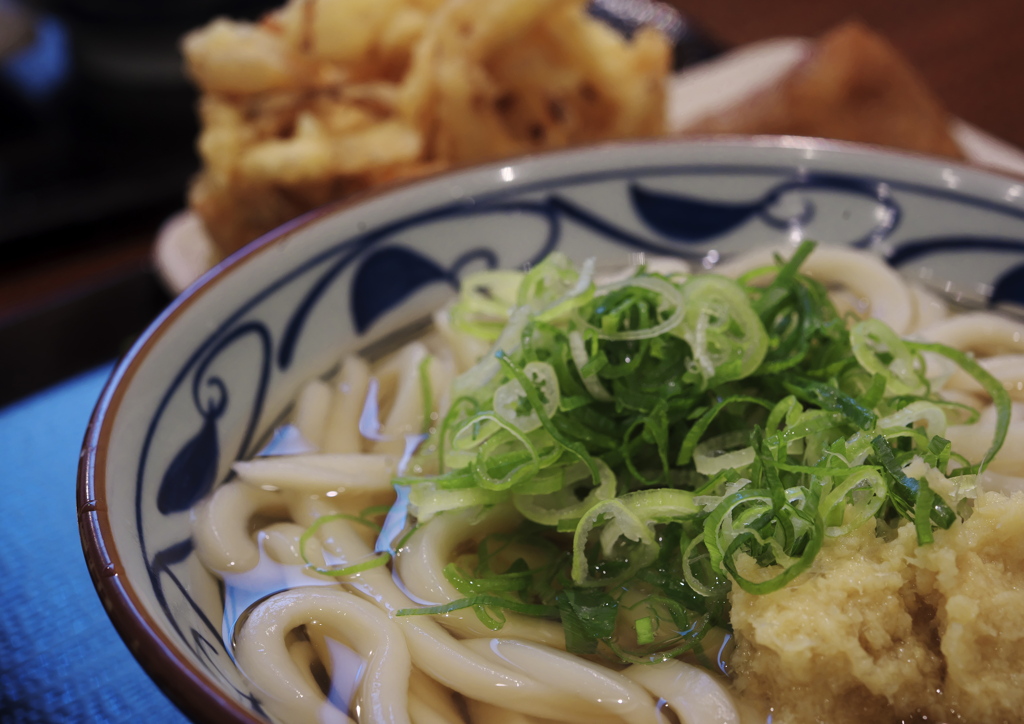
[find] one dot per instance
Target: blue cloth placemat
(60, 658)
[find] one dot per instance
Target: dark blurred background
(97, 127)
(96, 116)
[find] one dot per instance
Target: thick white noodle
(311, 410)
(483, 713)
(983, 333)
(448, 660)
(441, 373)
(466, 349)
(281, 541)
(399, 398)
(419, 713)
(694, 694)
(1000, 483)
(672, 267)
(929, 308)
(262, 653)
(878, 289)
(1007, 368)
(342, 433)
(431, 703)
(973, 441)
(305, 657)
(443, 352)
(221, 526)
(962, 398)
(997, 343)
(576, 676)
(316, 474)
(420, 565)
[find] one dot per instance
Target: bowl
(207, 380)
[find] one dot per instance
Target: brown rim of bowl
(184, 684)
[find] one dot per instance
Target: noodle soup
(660, 496)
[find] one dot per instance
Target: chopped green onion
(666, 439)
(340, 571)
(426, 394)
(644, 630)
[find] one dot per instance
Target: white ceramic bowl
(218, 367)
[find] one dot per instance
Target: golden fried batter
(324, 98)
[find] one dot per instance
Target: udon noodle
(320, 600)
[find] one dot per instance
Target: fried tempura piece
(853, 86)
(325, 98)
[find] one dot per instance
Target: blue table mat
(60, 658)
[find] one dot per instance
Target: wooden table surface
(971, 52)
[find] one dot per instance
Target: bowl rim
(185, 685)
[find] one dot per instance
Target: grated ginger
(886, 631)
